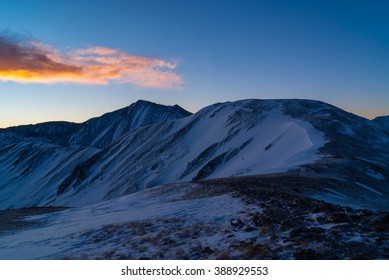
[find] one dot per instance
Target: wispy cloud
(31, 61)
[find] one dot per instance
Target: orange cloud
(36, 62)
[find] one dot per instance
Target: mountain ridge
(64, 133)
(383, 121)
(166, 144)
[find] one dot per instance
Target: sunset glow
(40, 63)
(74, 60)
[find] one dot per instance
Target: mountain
(250, 179)
(97, 132)
(35, 159)
(101, 131)
(48, 132)
(230, 139)
(383, 121)
(146, 145)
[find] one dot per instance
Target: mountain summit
(100, 132)
(97, 132)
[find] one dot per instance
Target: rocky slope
(243, 218)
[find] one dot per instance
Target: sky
(73, 60)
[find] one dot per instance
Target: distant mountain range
(146, 145)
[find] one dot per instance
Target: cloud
(31, 61)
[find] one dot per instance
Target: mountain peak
(97, 132)
(142, 102)
(103, 130)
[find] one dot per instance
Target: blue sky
(194, 53)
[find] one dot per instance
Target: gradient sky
(72, 60)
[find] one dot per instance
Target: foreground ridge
(243, 218)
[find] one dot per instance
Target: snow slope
(248, 176)
(30, 172)
(146, 145)
(159, 205)
(208, 220)
(35, 159)
(229, 139)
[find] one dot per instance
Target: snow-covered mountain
(101, 131)
(48, 132)
(147, 145)
(35, 159)
(97, 132)
(230, 139)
